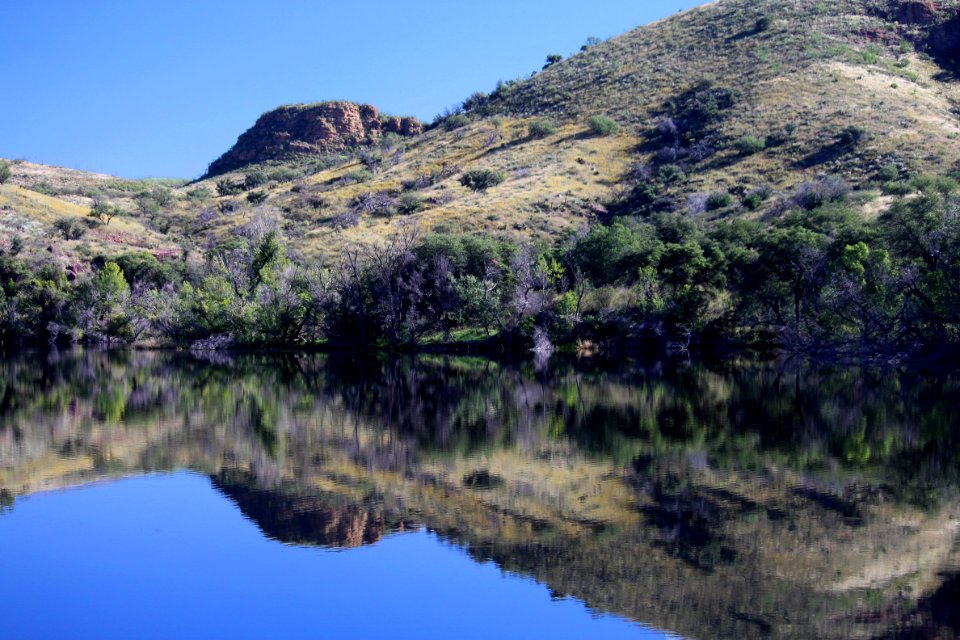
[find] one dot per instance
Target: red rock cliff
(309, 130)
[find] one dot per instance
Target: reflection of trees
(673, 483)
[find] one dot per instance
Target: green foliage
(5, 171)
(763, 24)
(541, 128)
(254, 179)
(104, 212)
(552, 59)
(456, 121)
(719, 200)
(482, 179)
(359, 175)
(671, 174)
(749, 145)
(257, 197)
(410, 203)
(70, 228)
(602, 126)
(199, 195)
(227, 187)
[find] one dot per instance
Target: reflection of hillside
(746, 503)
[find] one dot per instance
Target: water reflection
(742, 500)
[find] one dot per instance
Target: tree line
(816, 278)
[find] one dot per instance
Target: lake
(159, 495)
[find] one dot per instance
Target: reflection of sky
(169, 557)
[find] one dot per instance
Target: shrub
(671, 173)
(481, 179)
(5, 172)
(749, 145)
(227, 187)
(456, 121)
(542, 128)
(755, 198)
(552, 59)
(763, 24)
(257, 197)
(376, 203)
(199, 194)
(254, 179)
(70, 228)
(410, 203)
(852, 136)
(943, 185)
(897, 188)
(810, 195)
(602, 126)
(359, 175)
(889, 172)
(718, 200)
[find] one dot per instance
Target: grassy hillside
(806, 88)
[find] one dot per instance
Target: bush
(929, 184)
(456, 121)
(542, 128)
(257, 197)
(70, 228)
(5, 172)
(200, 194)
(359, 175)
(755, 198)
(671, 173)
(852, 136)
(227, 187)
(749, 145)
(889, 172)
(410, 203)
(552, 59)
(719, 200)
(255, 179)
(481, 179)
(763, 24)
(897, 188)
(602, 126)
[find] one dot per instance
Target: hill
(619, 166)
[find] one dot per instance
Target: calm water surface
(168, 495)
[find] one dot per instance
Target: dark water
(163, 495)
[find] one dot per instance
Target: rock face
(311, 130)
(919, 12)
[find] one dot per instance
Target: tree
(104, 212)
(602, 126)
(552, 59)
(481, 179)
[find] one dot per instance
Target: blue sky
(142, 88)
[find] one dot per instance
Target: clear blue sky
(143, 88)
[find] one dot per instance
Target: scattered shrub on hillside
(852, 136)
(162, 196)
(410, 203)
(227, 187)
(718, 200)
(897, 188)
(671, 173)
(198, 195)
(104, 212)
(358, 175)
(542, 128)
(750, 145)
(811, 195)
(257, 197)
(5, 172)
(456, 121)
(552, 59)
(944, 185)
(763, 24)
(753, 199)
(375, 203)
(591, 42)
(602, 126)
(254, 179)
(481, 179)
(889, 172)
(70, 228)
(146, 205)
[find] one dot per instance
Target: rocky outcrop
(917, 12)
(304, 130)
